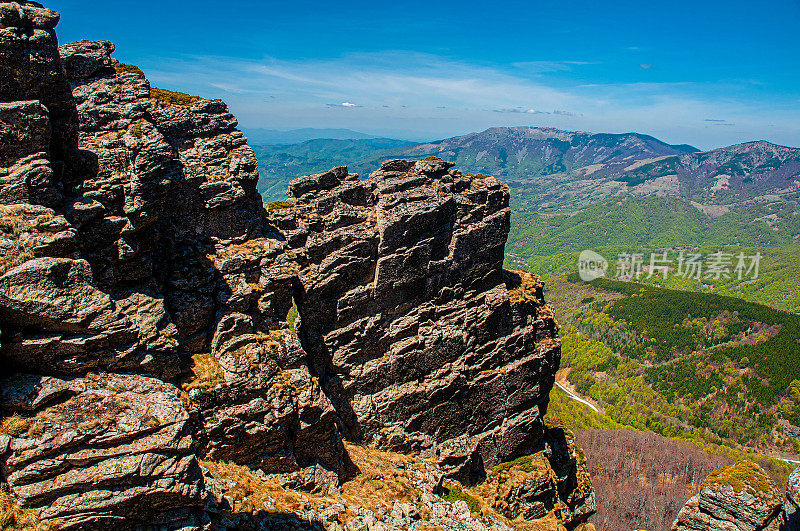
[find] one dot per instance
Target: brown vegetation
(523, 287)
(279, 205)
(15, 518)
(383, 478)
(16, 223)
(122, 68)
(249, 250)
(206, 373)
(641, 479)
(13, 425)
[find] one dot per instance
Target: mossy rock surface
(456, 493)
(744, 476)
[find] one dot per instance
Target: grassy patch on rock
(456, 493)
(744, 476)
(15, 518)
(206, 373)
(169, 97)
(122, 68)
(279, 205)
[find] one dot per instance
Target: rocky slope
(145, 304)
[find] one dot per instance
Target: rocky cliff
(149, 345)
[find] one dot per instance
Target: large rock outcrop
(146, 294)
(739, 497)
(104, 278)
(423, 339)
(102, 450)
(32, 70)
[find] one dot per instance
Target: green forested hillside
(653, 223)
(279, 164)
(719, 369)
(550, 245)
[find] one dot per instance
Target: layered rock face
(410, 320)
(106, 280)
(145, 295)
(98, 446)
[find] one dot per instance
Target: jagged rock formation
(98, 446)
(739, 497)
(145, 295)
(554, 478)
(409, 318)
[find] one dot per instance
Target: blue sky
(708, 73)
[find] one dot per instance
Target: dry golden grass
(383, 479)
(379, 484)
(206, 373)
(122, 68)
(279, 205)
(250, 250)
(13, 425)
(15, 518)
(169, 97)
(36, 429)
(14, 222)
(216, 177)
(523, 287)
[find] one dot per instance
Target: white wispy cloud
(438, 97)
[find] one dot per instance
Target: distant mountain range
(550, 170)
(279, 164)
(295, 136)
(726, 175)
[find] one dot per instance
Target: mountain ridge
(552, 170)
(259, 135)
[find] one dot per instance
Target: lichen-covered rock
(104, 451)
(26, 175)
(265, 410)
(78, 327)
(226, 286)
(30, 69)
(29, 231)
(137, 259)
(87, 59)
(553, 480)
(418, 334)
(739, 497)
